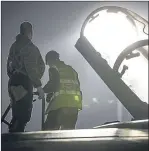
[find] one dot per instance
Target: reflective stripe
(69, 81)
(65, 92)
(75, 93)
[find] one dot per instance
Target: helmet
(25, 27)
(52, 55)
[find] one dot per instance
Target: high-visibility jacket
(68, 94)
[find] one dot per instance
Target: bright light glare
(110, 34)
(136, 77)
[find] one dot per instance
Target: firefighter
(25, 67)
(63, 94)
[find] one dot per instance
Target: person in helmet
(25, 67)
(63, 94)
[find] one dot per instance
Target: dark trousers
(21, 109)
(63, 118)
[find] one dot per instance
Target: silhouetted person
(25, 67)
(64, 95)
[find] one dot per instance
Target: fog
(57, 25)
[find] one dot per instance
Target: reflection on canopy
(110, 32)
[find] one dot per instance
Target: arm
(77, 78)
(9, 68)
(41, 66)
(34, 65)
(53, 83)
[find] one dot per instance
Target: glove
(40, 92)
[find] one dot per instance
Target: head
(26, 29)
(51, 57)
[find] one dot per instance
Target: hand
(41, 93)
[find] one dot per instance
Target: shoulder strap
(15, 56)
